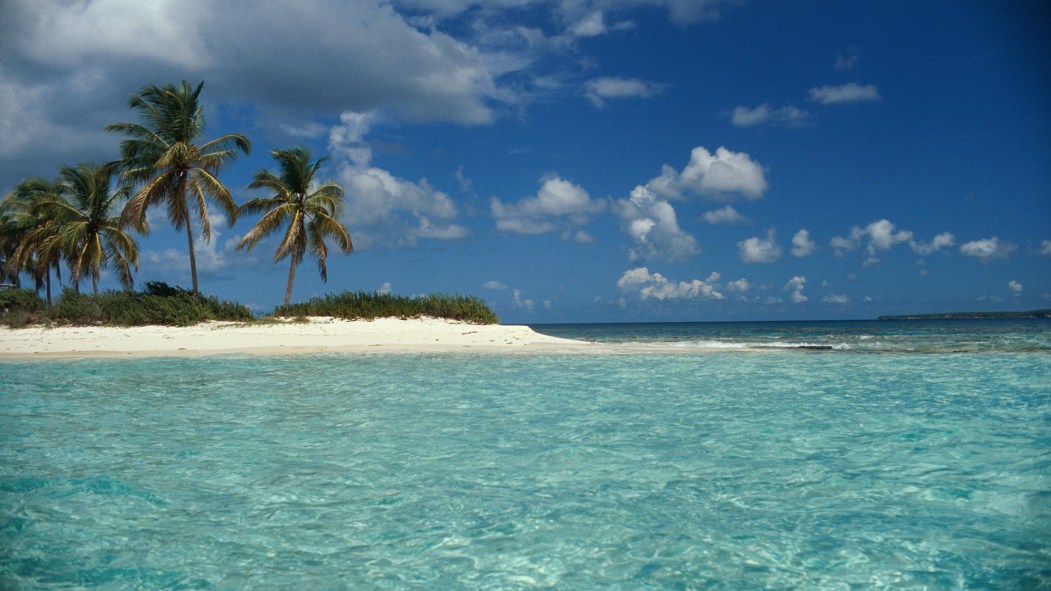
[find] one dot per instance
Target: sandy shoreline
(387, 335)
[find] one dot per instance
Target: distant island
(969, 315)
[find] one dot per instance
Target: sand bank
(388, 335)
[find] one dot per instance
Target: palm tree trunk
(291, 278)
(47, 282)
(95, 281)
(193, 257)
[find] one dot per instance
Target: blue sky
(591, 160)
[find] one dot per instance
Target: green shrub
(368, 306)
(157, 304)
(20, 307)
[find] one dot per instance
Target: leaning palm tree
(37, 249)
(312, 213)
(87, 226)
(171, 168)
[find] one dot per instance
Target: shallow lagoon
(774, 470)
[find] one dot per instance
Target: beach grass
(165, 305)
(371, 305)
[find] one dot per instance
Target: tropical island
(84, 219)
(970, 315)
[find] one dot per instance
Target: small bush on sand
(368, 306)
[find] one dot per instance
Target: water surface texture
(780, 469)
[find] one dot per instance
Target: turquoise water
(784, 469)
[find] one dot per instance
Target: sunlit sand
(316, 335)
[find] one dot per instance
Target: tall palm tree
(10, 238)
(36, 247)
(163, 157)
(311, 213)
(90, 232)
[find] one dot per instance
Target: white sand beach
(388, 335)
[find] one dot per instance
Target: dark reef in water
(970, 315)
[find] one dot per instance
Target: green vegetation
(162, 304)
(78, 222)
(311, 214)
(362, 305)
(157, 304)
(163, 158)
(970, 315)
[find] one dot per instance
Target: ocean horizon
(782, 455)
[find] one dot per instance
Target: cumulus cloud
(647, 285)
(795, 288)
(941, 241)
(988, 249)
(802, 245)
(835, 299)
(1045, 247)
(764, 114)
(495, 285)
(212, 256)
(650, 220)
(759, 250)
(851, 92)
(600, 90)
(521, 302)
(724, 215)
(722, 175)
(385, 210)
(558, 205)
(882, 235)
(1014, 286)
(739, 285)
(652, 225)
(381, 208)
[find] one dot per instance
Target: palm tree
(31, 232)
(172, 169)
(10, 238)
(311, 214)
(91, 235)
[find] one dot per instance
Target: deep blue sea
(831, 455)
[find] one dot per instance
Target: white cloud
(559, 204)
(881, 236)
(384, 209)
(851, 92)
(380, 207)
(385, 288)
(759, 250)
(347, 140)
(722, 175)
(522, 303)
(211, 256)
(835, 299)
(988, 249)
(654, 285)
(494, 285)
(1045, 247)
(600, 90)
(653, 226)
(795, 287)
(765, 114)
(1014, 286)
(943, 240)
(725, 215)
(802, 245)
(740, 285)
